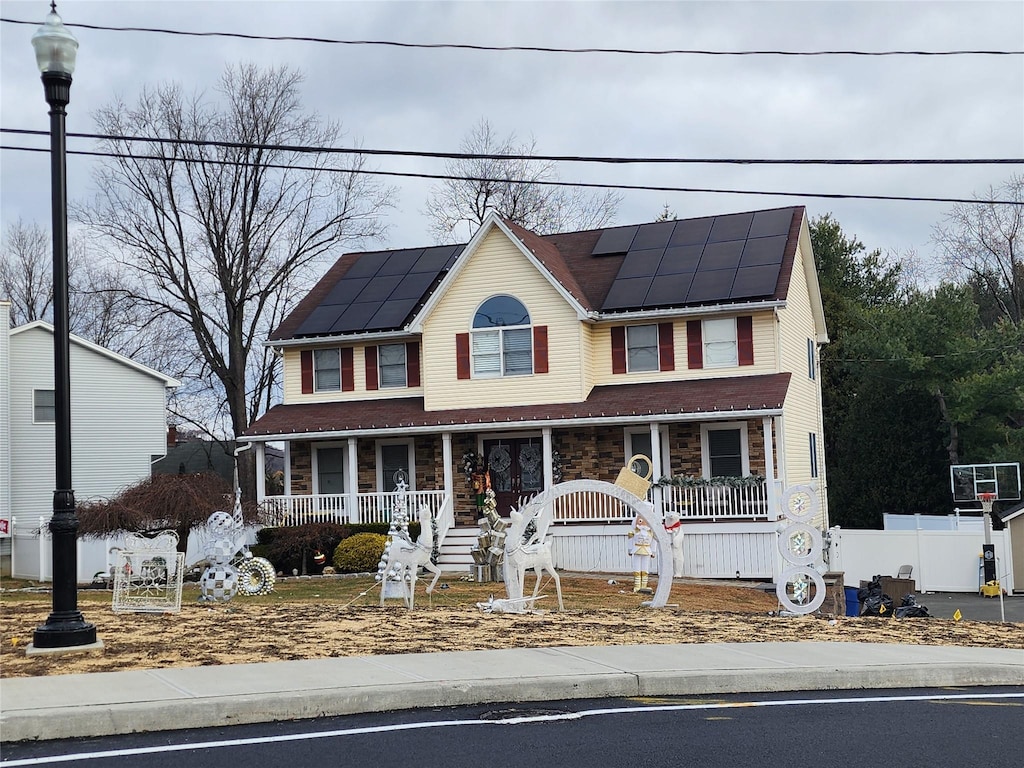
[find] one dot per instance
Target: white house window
(811, 367)
(814, 453)
(642, 348)
(392, 457)
(392, 366)
(327, 370)
(502, 339)
(44, 406)
(720, 342)
(724, 450)
(330, 469)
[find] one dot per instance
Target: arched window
(502, 339)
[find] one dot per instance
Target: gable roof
(737, 258)
(102, 351)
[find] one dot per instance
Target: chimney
(172, 436)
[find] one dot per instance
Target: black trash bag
(873, 602)
(909, 609)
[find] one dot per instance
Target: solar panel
(392, 314)
(640, 263)
(413, 285)
(345, 290)
(437, 258)
(735, 226)
(768, 223)
(721, 256)
(616, 240)
(320, 320)
(654, 235)
(356, 316)
(368, 264)
(669, 290)
(400, 262)
(691, 231)
(714, 285)
(755, 281)
(380, 287)
(628, 292)
(680, 258)
(763, 250)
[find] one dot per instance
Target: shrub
(293, 547)
(360, 553)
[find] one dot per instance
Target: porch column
(352, 502)
(261, 472)
(288, 468)
(446, 457)
(769, 468)
(657, 495)
(549, 472)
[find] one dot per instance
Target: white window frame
(813, 446)
(316, 370)
(410, 443)
(812, 360)
(705, 447)
(380, 366)
(714, 331)
(499, 331)
(656, 366)
(36, 406)
(315, 449)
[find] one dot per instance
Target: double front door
(516, 467)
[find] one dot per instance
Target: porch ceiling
(667, 401)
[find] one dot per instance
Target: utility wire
(544, 158)
(531, 48)
(580, 184)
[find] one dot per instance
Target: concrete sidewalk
(65, 706)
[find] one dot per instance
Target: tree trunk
(953, 447)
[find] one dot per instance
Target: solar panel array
(379, 291)
(696, 261)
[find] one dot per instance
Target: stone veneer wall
(301, 468)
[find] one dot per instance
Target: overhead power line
(543, 158)
(580, 184)
(530, 48)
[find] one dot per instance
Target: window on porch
(394, 457)
(724, 450)
(330, 469)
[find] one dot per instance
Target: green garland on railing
(689, 481)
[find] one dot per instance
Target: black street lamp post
(65, 627)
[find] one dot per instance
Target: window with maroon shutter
(694, 345)
(412, 362)
(619, 349)
(348, 376)
(540, 349)
(666, 347)
(745, 340)
(462, 355)
(370, 354)
(306, 362)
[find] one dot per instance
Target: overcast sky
(586, 104)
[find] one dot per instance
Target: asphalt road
(949, 728)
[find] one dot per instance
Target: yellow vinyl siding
(764, 354)
(499, 267)
(293, 381)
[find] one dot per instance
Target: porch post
(261, 472)
(288, 468)
(769, 468)
(657, 495)
(352, 454)
(549, 472)
(446, 457)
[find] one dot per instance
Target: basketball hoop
(986, 500)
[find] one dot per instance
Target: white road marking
(56, 759)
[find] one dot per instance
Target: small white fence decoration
(148, 574)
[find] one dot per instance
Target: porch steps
(455, 554)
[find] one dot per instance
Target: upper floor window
(44, 406)
(720, 342)
(642, 348)
(327, 370)
(638, 348)
(502, 340)
(392, 365)
(811, 359)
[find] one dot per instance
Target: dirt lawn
(339, 616)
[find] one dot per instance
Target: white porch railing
(338, 507)
(717, 502)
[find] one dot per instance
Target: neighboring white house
(118, 421)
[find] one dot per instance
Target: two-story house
(538, 359)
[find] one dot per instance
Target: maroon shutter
(348, 375)
(462, 355)
(619, 349)
(540, 349)
(306, 361)
(666, 347)
(694, 345)
(372, 381)
(745, 340)
(412, 363)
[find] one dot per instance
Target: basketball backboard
(968, 480)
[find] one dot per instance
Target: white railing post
(352, 454)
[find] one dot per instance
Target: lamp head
(55, 46)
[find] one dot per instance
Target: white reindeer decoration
(534, 552)
(403, 555)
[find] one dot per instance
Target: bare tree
(517, 188)
(985, 244)
(223, 236)
(26, 272)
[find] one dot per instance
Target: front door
(516, 466)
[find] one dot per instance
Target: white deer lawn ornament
(521, 555)
(401, 555)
